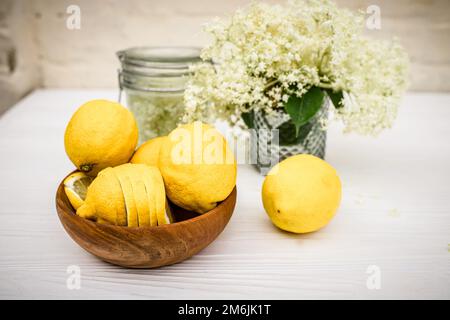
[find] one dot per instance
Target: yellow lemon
(148, 152)
(198, 167)
(126, 195)
(75, 187)
(104, 200)
(100, 134)
(301, 194)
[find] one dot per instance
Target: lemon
(100, 134)
(103, 200)
(75, 187)
(198, 167)
(148, 152)
(127, 195)
(301, 194)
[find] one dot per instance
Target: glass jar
(154, 79)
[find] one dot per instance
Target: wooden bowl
(146, 247)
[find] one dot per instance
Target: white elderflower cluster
(265, 53)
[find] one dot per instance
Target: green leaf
(302, 109)
(248, 119)
(336, 97)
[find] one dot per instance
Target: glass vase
(274, 137)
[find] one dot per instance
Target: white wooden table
(395, 215)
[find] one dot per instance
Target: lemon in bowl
(148, 152)
(100, 134)
(198, 167)
(75, 186)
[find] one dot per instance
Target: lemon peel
(75, 187)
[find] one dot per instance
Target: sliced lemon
(76, 186)
(117, 200)
(149, 189)
(142, 203)
(127, 190)
(167, 217)
(163, 213)
(139, 193)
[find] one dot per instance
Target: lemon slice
(76, 186)
(163, 213)
(149, 190)
(139, 193)
(116, 197)
(142, 203)
(167, 217)
(127, 190)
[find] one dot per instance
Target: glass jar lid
(158, 61)
(156, 69)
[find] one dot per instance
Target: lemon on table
(198, 167)
(301, 194)
(148, 152)
(75, 187)
(100, 134)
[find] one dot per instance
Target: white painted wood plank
(395, 214)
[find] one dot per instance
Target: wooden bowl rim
(231, 197)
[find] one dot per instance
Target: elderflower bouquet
(291, 59)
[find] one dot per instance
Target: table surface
(392, 227)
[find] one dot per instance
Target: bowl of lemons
(144, 207)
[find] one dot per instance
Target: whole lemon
(301, 194)
(148, 152)
(198, 167)
(100, 134)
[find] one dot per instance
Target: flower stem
(271, 84)
(325, 85)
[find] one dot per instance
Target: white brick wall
(86, 57)
(19, 68)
